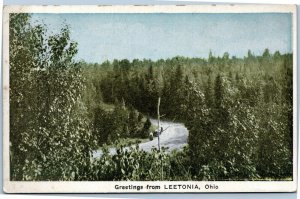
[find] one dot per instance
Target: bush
(131, 163)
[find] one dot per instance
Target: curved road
(174, 136)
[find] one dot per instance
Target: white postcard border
(165, 186)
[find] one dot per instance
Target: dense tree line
(238, 112)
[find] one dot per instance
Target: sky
(156, 36)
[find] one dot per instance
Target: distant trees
(175, 96)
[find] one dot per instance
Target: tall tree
(54, 134)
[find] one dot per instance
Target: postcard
(149, 99)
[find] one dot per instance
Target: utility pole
(159, 131)
(158, 121)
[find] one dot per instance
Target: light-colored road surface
(174, 136)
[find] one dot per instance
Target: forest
(238, 112)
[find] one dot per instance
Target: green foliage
(225, 103)
(238, 113)
(146, 128)
(120, 122)
(274, 154)
(47, 115)
(134, 164)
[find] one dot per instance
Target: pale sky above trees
(103, 37)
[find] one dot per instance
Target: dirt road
(174, 136)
